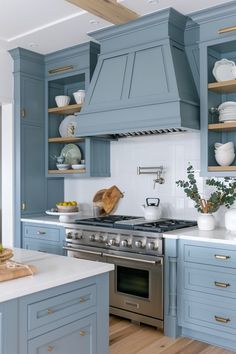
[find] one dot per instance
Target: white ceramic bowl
(62, 101)
(224, 152)
(227, 146)
(225, 160)
(78, 166)
(67, 208)
(79, 96)
(63, 166)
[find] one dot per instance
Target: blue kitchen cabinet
(8, 328)
(32, 192)
(217, 40)
(43, 238)
(68, 71)
(206, 292)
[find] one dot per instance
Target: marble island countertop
(52, 271)
(50, 220)
(219, 235)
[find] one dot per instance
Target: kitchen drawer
(58, 307)
(218, 316)
(43, 246)
(209, 279)
(42, 233)
(210, 255)
(74, 338)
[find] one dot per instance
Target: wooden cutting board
(12, 270)
(110, 198)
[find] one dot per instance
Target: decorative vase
(206, 222)
(230, 219)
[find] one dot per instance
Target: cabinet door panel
(77, 337)
(42, 246)
(32, 170)
(33, 100)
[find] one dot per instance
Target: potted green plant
(224, 194)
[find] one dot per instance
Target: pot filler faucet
(158, 171)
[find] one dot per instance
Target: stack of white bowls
(227, 111)
(224, 153)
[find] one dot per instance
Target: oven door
(136, 285)
(83, 253)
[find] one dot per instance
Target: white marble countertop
(53, 271)
(50, 220)
(219, 235)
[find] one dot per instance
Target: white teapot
(152, 211)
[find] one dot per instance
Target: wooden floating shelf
(223, 86)
(66, 172)
(230, 126)
(73, 108)
(65, 140)
(221, 168)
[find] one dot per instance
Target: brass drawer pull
(82, 333)
(50, 349)
(221, 257)
(49, 311)
(41, 232)
(222, 319)
(221, 285)
(227, 29)
(61, 69)
(82, 299)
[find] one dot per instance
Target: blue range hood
(142, 83)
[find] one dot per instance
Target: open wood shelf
(221, 168)
(66, 172)
(223, 86)
(70, 109)
(228, 126)
(69, 139)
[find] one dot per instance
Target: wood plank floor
(129, 338)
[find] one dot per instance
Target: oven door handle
(158, 261)
(82, 251)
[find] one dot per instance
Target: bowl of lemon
(67, 207)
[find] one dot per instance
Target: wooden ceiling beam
(109, 10)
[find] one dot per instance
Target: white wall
(7, 175)
(173, 151)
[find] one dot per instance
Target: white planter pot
(206, 222)
(230, 220)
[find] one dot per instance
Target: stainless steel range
(136, 248)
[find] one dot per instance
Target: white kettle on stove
(152, 210)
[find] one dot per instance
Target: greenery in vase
(224, 194)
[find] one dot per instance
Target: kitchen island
(63, 308)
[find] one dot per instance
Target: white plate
(78, 166)
(72, 154)
(64, 217)
(222, 70)
(68, 126)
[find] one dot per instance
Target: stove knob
(112, 242)
(124, 243)
(101, 238)
(78, 235)
(138, 244)
(69, 235)
(151, 245)
(92, 237)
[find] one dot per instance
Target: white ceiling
(45, 26)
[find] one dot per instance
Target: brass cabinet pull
(23, 113)
(23, 206)
(221, 285)
(227, 29)
(49, 311)
(61, 69)
(50, 348)
(82, 333)
(222, 319)
(82, 299)
(41, 232)
(221, 257)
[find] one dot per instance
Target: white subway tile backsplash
(173, 151)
